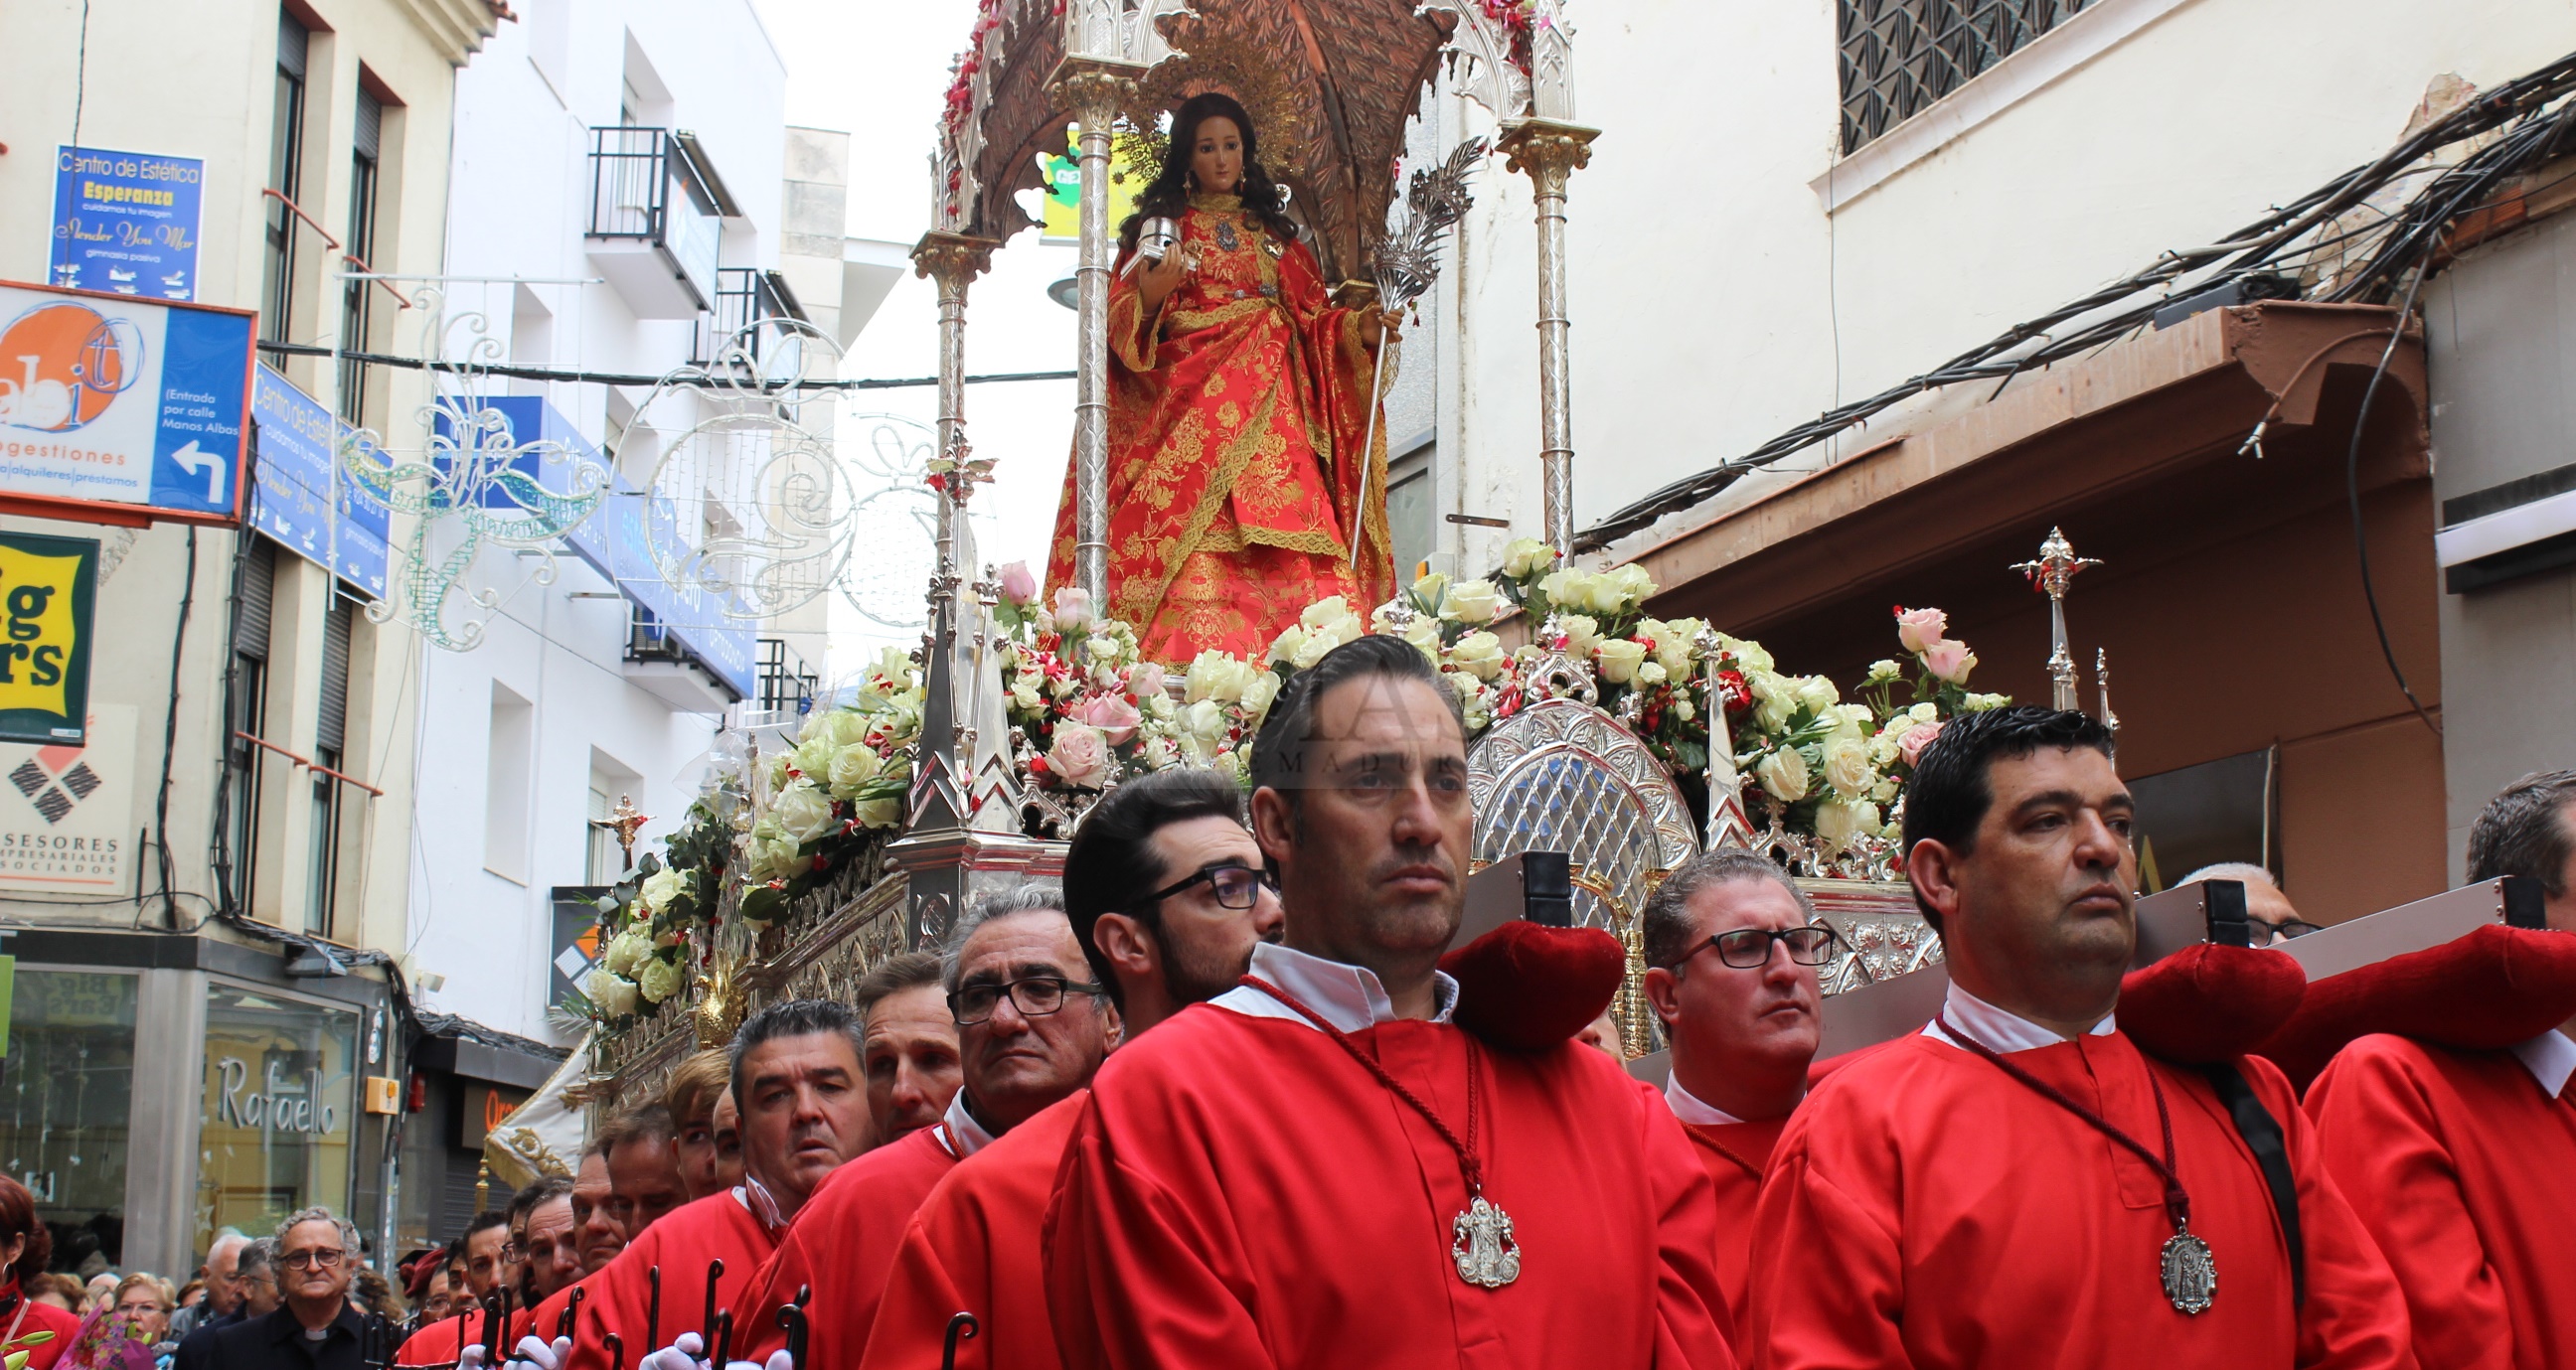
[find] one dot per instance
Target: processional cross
(626, 821)
(2050, 575)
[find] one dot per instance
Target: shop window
(2202, 815)
(66, 1093)
(280, 1110)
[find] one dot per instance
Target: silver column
(953, 261)
(1551, 152)
(1094, 90)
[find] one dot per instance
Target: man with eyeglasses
(1319, 1168)
(2268, 913)
(1166, 892)
(1032, 1026)
(804, 1113)
(1731, 949)
(315, 1328)
(2021, 1183)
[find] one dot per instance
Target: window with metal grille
(329, 746)
(1898, 56)
(285, 165)
(356, 297)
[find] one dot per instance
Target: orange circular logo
(62, 365)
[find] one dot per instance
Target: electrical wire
(731, 376)
(170, 739)
(2352, 492)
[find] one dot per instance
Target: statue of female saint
(1239, 400)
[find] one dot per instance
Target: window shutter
(336, 627)
(258, 596)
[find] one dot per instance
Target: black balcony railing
(786, 684)
(745, 296)
(644, 186)
(1899, 56)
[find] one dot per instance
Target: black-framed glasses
(1237, 887)
(2282, 931)
(324, 1259)
(1035, 997)
(1750, 948)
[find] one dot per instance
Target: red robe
(1737, 1155)
(974, 1248)
(2466, 1173)
(840, 1246)
(1241, 1193)
(717, 1227)
(438, 1343)
(1926, 1210)
(31, 1318)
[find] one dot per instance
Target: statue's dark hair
(1169, 192)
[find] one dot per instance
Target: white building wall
(1715, 301)
(480, 913)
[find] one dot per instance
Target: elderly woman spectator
(55, 1289)
(41, 1330)
(145, 1301)
(123, 1331)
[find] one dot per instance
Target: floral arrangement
(645, 920)
(839, 792)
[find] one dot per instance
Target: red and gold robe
(2464, 1167)
(840, 1246)
(1926, 1210)
(1240, 1192)
(975, 1248)
(720, 1226)
(1737, 1155)
(1236, 416)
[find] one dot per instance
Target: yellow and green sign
(48, 593)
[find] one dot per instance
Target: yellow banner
(41, 627)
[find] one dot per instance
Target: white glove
(541, 1355)
(681, 1354)
(471, 1358)
(778, 1360)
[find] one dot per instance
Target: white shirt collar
(759, 1202)
(958, 1132)
(1348, 997)
(2551, 1058)
(1997, 1031)
(1690, 1109)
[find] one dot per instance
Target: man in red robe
(633, 1176)
(2020, 1185)
(1165, 891)
(1731, 950)
(1031, 1028)
(2463, 1163)
(595, 1223)
(797, 1075)
(487, 1236)
(1318, 1169)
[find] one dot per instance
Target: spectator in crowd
(56, 1290)
(2266, 907)
(25, 1245)
(191, 1295)
(222, 1304)
(375, 1296)
(100, 1290)
(314, 1327)
(145, 1301)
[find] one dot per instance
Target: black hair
(484, 1221)
(2524, 831)
(1948, 796)
(525, 1202)
(792, 1018)
(1112, 864)
(1169, 192)
(1279, 752)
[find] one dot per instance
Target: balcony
(668, 668)
(745, 296)
(655, 224)
(787, 684)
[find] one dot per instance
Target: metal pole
(1551, 152)
(1094, 89)
(953, 261)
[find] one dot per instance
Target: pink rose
(1112, 715)
(1080, 756)
(1909, 748)
(1950, 659)
(1072, 610)
(1145, 680)
(1018, 585)
(1918, 629)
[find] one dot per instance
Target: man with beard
(1319, 1169)
(2020, 1184)
(1031, 1029)
(796, 1069)
(1731, 949)
(1166, 892)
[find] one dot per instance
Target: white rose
(1288, 644)
(803, 811)
(1205, 720)
(612, 994)
(1818, 694)
(1608, 593)
(1840, 821)
(1883, 670)
(1749, 655)
(1847, 767)
(1783, 775)
(1472, 602)
(659, 888)
(1650, 674)
(1634, 585)
(1524, 557)
(1429, 589)
(886, 812)
(1325, 611)
(813, 759)
(1215, 675)
(1313, 649)
(1480, 654)
(1566, 588)
(1159, 754)
(1676, 646)
(1977, 704)
(658, 980)
(1024, 696)
(853, 766)
(773, 857)
(1259, 692)
(1775, 698)
(625, 950)
(1619, 659)
(1582, 633)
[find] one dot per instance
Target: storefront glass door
(66, 1095)
(280, 1110)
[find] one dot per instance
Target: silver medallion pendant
(1225, 235)
(2190, 1272)
(1481, 1243)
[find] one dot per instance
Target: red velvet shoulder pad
(2209, 1003)
(2481, 992)
(1527, 987)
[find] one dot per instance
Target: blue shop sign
(291, 500)
(619, 538)
(127, 222)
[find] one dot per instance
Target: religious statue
(1242, 459)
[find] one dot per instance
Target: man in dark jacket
(254, 1282)
(314, 1328)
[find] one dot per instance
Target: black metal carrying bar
(792, 1319)
(962, 1327)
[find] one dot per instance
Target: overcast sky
(877, 70)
